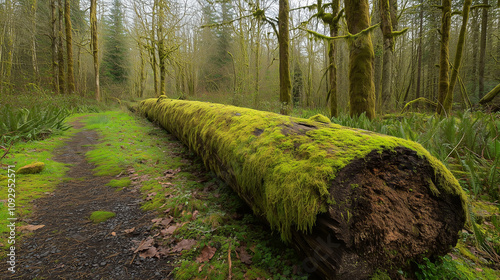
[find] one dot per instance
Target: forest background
(76, 51)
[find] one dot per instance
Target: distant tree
(94, 46)
(114, 64)
(444, 58)
(69, 46)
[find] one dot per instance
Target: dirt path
(70, 246)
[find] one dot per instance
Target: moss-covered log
(354, 201)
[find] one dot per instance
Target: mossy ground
(101, 216)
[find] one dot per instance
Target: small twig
(455, 147)
(133, 258)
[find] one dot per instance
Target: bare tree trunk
(388, 22)
(378, 50)
(448, 102)
(284, 41)
(475, 39)
(257, 64)
(6, 63)
(444, 58)
(419, 51)
(142, 76)
(60, 53)
(361, 56)
(69, 47)
(53, 46)
(34, 60)
(482, 49)
(95, 48)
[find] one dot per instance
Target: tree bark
(361, 56)
(388, 20)
(34, 60)
(284, 57)
(448, 102)
(95, 46)
(53, 46)
(419, 51)
(69, 47)
(345, 197)
(60, 53)
(482, 48)
(475, 39)
(444, 58)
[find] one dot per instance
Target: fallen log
(353, 201)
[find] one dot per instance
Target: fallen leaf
(151, 196)
(163, 251)
(200, 268)
(30, 227)
(113, 233)
(145, 244)
(156, 221)
(166, 221)
(244, 256)
(130, 230)
(195, 213)
(207, 254)
(479, 269)
(170, 230)
(185, 244)
(149, 253)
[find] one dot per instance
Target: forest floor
(173, 219)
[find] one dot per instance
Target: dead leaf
(113, 233)
(145, 244)
(151, 196)
(207, 254)
(185, 244)
(244, 256)
(170, 230)
(200, 268)
(479, 269)
(156, 221)
(166, 221)
(30, 227)
(163, 251)
(130, 230)
(149, 253)
(195, 213)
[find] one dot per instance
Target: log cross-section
(353, 201)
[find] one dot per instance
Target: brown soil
(70, 246)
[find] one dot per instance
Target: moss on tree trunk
(375, 201)
(361, 56)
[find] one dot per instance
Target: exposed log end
(354, 201)
(385, 217)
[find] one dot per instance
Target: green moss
(101, 216)
(320, 118)
(121, 183)
(32, 168)
(3, 178)
(282, 165)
